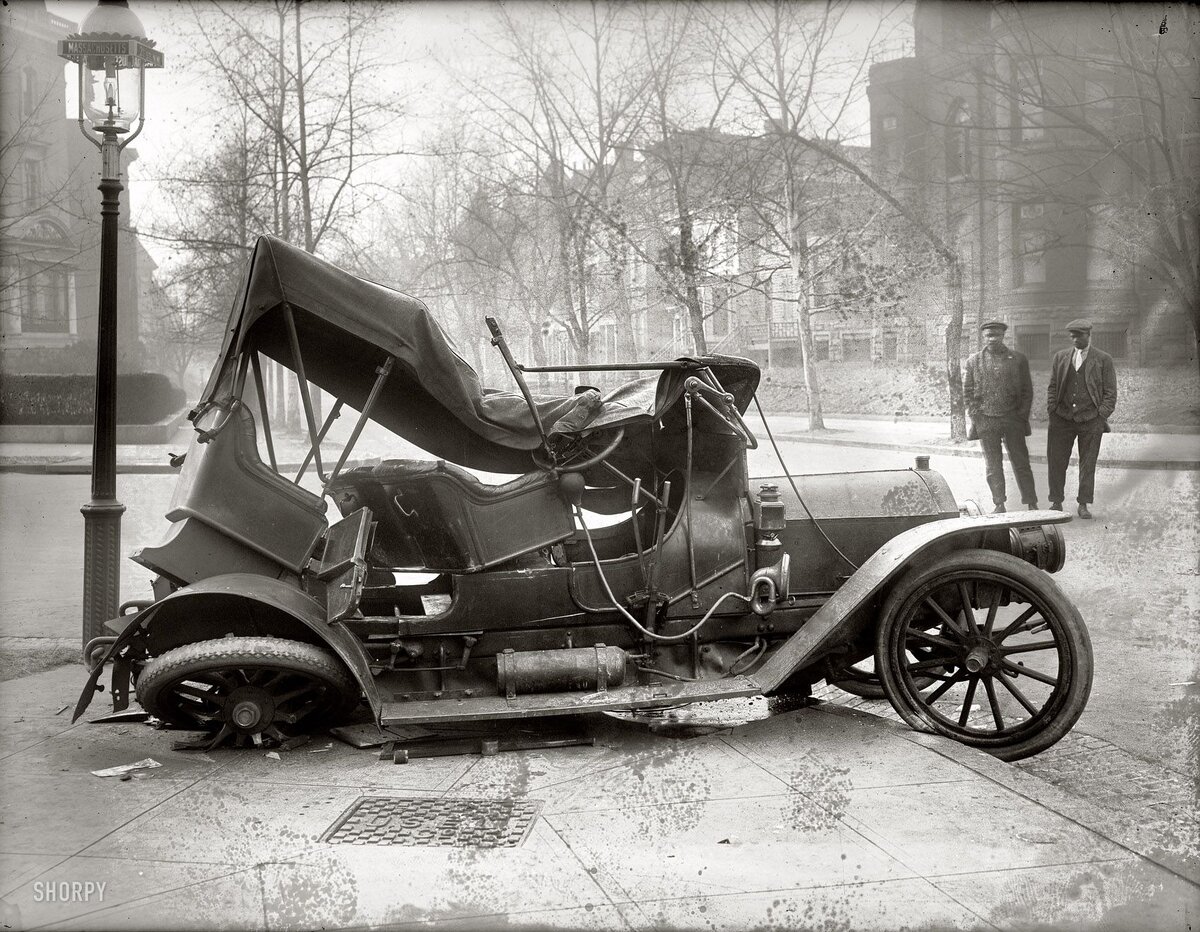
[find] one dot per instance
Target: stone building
(1044, 136)
(50, 211)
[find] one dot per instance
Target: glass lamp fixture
(112, 54)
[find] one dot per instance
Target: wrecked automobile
(626, 560)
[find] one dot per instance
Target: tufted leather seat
(443, 517)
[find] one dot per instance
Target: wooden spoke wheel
(245, 688)
(1009, 654)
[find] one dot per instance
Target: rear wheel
(246, 688)
(1009, 653)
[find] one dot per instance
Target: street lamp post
(112, 54)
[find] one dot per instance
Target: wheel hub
(249, 709)
(981, 654)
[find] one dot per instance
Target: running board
(623, 697)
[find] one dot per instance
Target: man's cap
(994, 324)
(1081, 324)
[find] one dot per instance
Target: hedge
(142, 398)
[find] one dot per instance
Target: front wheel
(1009, 653)
(247, 687)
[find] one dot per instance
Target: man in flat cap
(1079, 401)
(999, 394)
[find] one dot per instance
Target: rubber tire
(1066, 708)
(201, 656)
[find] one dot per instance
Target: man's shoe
(999, 509)
(1056, 506)
(1083, 511)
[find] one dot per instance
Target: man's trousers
(1013, 437)
(1061, 436)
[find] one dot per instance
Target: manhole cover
(457, 823)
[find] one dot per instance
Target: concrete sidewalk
(817, 817)
(1131, 449)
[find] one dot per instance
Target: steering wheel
(584, 448)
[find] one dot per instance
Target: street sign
(92, 52)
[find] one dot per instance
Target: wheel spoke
(990, 689)
(941, 690)
(1032, 674)
(1020, 696)
(993, 606)
(1019, 623)
(966, 707)
(946, 619)
(933, 664)
(1026, 648)
(921, 635)
(968, 611)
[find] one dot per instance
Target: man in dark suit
(1080, 400)
(999, 394)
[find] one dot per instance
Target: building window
(46, 307)
(34, 191)
(1029, 117)
(820, 346)
(29, 92)
(888, 124)
(1033, 344)
(1029, 244)
(1113, 342)
(890, 347)
(958, 142)
(856, 347)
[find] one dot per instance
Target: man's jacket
(1014, 386)
(1099, 377)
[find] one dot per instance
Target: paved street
(1132, 571)
(1051, 843)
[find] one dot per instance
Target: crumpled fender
(262, 589)
(834, 620)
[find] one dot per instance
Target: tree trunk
(958, 410)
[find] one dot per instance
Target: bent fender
(272, 592)
(830, 623)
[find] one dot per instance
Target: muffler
(590, 669)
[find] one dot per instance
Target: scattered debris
(297, 742)
(1185, 683)
(120, 717)
(274, 755)
(370, 735)
(723, 841)
(62, 710)
(485, 746)
(117, 771)
(321, 750)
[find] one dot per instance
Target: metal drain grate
(455, 823)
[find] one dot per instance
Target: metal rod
(660, 529)
(262, 410)
(613, 469)
(384, 371)
(334, 413)
(294, 338)
(637, 531)
(687, 496)
(499, 343)
(611, 367)
(721, 475)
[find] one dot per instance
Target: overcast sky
(428, 34)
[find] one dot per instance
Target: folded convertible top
(347, 326)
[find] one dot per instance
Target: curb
(84, 468)
(917, 447)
